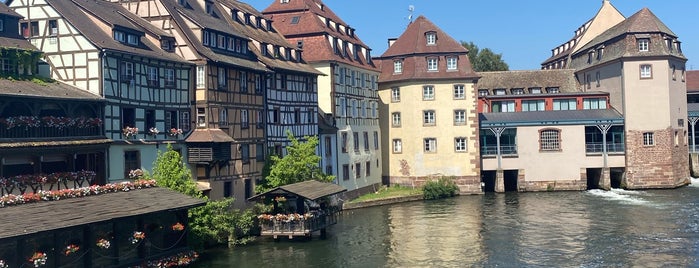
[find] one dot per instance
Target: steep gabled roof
(692, 78)
(412, 50)
(644, 21)
(81, 13)
(309, 6)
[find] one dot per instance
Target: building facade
(347, 91)
(102, 49)
(428, 109)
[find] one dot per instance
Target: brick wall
(662, 165)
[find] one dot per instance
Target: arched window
(549, 140)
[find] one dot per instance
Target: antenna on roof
(411, 8)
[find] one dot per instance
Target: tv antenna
(411, 8)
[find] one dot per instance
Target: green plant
(441, 188)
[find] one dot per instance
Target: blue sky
(524, 32)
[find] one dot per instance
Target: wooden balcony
(291, 229)
(48, 132)
(34, 183)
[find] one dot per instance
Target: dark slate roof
(644, 21)
(311, 190)
(78, 13)
(7, 11)
(692, 78)
(564, 79)
(539, 118)
(186, 16)
(268, 37)
(411, 47)
(17, 43)
(57, 90)
(312, 31)
(51, 215)
(209, 135)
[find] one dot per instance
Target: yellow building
(428, 110)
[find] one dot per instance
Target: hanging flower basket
(70, 249)
(103, 243)
(174, 132)
(137, 237)
(178, 227)
(153, 131)
(3, 264)
(38, 259)
(130, 132)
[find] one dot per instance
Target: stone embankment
(381, 202)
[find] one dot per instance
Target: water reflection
(562, 229)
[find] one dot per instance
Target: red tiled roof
(692, 78)
(411, 47)
(310, 29)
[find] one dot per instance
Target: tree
(300, 164)
(170, 171)
(484, 60)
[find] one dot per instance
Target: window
(170, 120)
(673, 70)
(258, 84)
(355, 135)
(397, 146)
(276, 116)
(53, 27)
(132, 39)
(368, 168)
(366, 141)
(451, 63)
(500, 91)
(244, 119)
(646, 71)
(395, 94)
(170, 77)
(643, 44)
(201, 78)
(345, 172)
(150, 119)
(260, 119)
(260, 152)
(344, 142)
(428, 93)
(594, 103)
(588, 81)
(430, 145)
(126, 71)
(482, 92)
(459, 117)
(397, 67)
(128, 117)
(552, 90)
(503, 106)
(683, 74)
(376, 140)
(328, 146)
(223, 117)
(431, 38)
(564, 104)
(132, 161)
(184, 121)
(34, 28)
(227, 189)
(432, 64)
(459, 93)
(395, 119)
(221, 41)
(245, 152)
(222, 78)
(517, 91)
(152, 73)
(532, 105)
(201, 117)
(358, 170)
(428, 118)
(295, 19)
(535, 90)
(549, 140)
(248, 188)
(460, 144)
(243, 82)
(597, 78)
(648, 139)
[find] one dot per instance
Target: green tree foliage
(169, 170)
(442, 188)
(300, 164)
(484, 60)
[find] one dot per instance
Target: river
(618, 228)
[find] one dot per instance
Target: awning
(209, 135)
(33, 218)
(311, 190)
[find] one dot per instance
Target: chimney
(391, 41)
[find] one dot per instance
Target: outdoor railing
(303, 226)
(599, 147)
(504, 150)
(47, 132)
(34, 183)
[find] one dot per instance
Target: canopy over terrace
(310, 190)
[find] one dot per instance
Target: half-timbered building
(428, 109)
(347, 92)
(46, 127)
(227, 147)
(103, 49)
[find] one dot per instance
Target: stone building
(428, 109)
(347, 92)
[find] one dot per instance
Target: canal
(655, 228)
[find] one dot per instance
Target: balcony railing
(504, 150)
(47, 132)
(593, 148)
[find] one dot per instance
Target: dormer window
(167, 45)
(482, 92)
(552, 89)
(432, 64)
(269, 25)
(204, 40)
(500, 91)
(431, 38)
(209, 7)
(517, 91)
(535, 90)
(263, 49)
(221, 43)
(182, 2)
(230, 45)
(247, 18)
(295, 19)
(643, 44)
(132, 39)
(119, 36)
(284, 1)
(451, 63)
(398, 67)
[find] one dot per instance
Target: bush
(442, 188)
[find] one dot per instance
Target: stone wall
(467, 184)
(662, 165)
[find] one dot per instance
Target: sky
(524, 32)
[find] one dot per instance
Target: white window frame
(430, 145)
(244, 119)
(169, 77)
(201, 76)
(432, 64)
(397, 66)
(459, 117)
(395, 119)
(223, 117)
(428, 93)
(460, 144)
(643, 44)
(459, 92)
(648, 139)
(429, 118)
(222, 78)
(646, 71)
(431, 38)
(564, 104)
(132, 39)
(395, 94)
(452, 63)
(550, 140)
(397, 146)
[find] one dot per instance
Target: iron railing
(504, 150)
(599, 147)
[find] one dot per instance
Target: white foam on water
(623, 196)
(694, 182)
